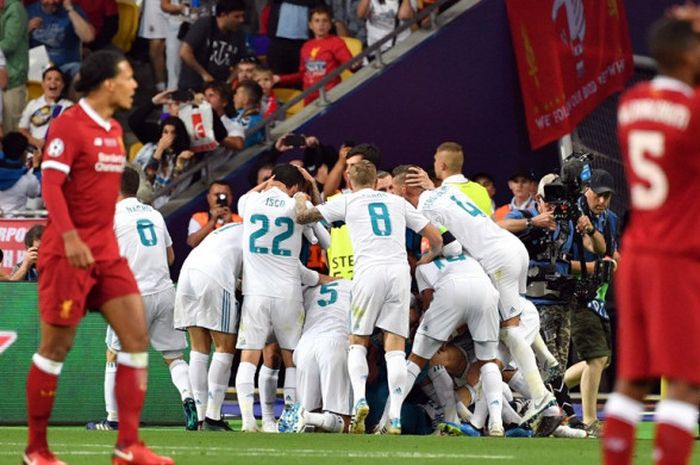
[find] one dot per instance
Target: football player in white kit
(206, 306)
(321, 358)
(272, 281)
(146, 244)
(502, 256)
(381, 283)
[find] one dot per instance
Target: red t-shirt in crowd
(659, 131)
(87, 153)
(319, 57)
(97, 10)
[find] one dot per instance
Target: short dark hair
(669, 38)
(97, 68)
(369, 152)
(289, 175)
(253, 90)
(219, 182)
(14, 144)
(130, 182)
(399, 173)
(476, 176)
(224, 7)
(55, 69)
(321, 10)
(34, 234)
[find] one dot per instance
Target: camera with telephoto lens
(222, 199)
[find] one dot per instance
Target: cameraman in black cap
(590, 322)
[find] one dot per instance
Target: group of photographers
(564, 231)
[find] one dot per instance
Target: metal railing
(207, 165)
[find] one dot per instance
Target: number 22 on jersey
(264, 221)
(644, 147)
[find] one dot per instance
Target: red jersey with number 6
(90, 152)
(659, 131)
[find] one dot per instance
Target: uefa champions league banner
(12, 232)
(571, 55)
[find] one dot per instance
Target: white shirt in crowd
(38, 113)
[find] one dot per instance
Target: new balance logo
(123, 455)
(7, 338)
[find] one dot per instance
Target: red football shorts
(658, 300)
(65, 292)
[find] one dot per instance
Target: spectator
(170, 156)
(61, 28)
(520, 184)
(245, 68)
(346, 21)
(265, 79)
(178, 14)
(14, 44)
(213, 45)
(319, 56)
(17, 183)
(103, 15)
(26, 269)
(38, 113)
(288, 31)
(382, 17)
(220, 199)
(487, 182)
(247, 104)
(153, 27)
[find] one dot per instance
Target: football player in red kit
(80, 265)
(658, 317)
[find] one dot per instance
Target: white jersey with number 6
(143, 240)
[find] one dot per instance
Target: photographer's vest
(202, 218)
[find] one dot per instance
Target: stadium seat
(355, 47)
(134, 149)
(284, 95)
(128, 24)
(34, 90)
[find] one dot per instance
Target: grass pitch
(80, 447)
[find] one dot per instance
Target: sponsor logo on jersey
(55, 148)
(110, 162)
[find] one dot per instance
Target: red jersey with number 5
(90, 152)
(659, 132)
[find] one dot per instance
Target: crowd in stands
(215, 67)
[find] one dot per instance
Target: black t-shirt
(215, 50)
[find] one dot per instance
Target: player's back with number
(271, 244)
(143, 240)
(327, 309)
(659, 131)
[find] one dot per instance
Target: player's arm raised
(303, 213)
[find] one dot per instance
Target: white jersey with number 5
(377, 224)
(480, 236)
(327, 309)
(143, 240)
(271, 245)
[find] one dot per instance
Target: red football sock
(130, 392)
(672, 445)
(41, 391)
(617, 441)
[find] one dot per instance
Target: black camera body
(222, 199)
(565, 191)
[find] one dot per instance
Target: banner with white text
(12, 232)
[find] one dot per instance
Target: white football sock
(493, 393)
(358, 370)
(480, 411)
(199, 365)
(524, 359)
(246, 393)
(110, 397)
(444, 388)
(326, 421)
(180, 376)
(290, 386)
(267, 390)
(517, 383)
(542, 352)
(396, 378)
(219, 375)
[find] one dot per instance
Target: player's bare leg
(42, 383)
(126, 316)
(200, 339)
(219, 374)
(245, 387)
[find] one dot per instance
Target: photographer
(26, 269)
(220, 199)
(550, 286)
(590, 322)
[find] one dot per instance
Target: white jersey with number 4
(271, 245)
(480, 236)
(377, 224)
(143, 240)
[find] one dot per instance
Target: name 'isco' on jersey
(377, 224)
(480, 236)
(435, 274)
(90, 152)
(328, 309)
(143, 240)
(659, 132)
(219, 256)
(271, 245)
